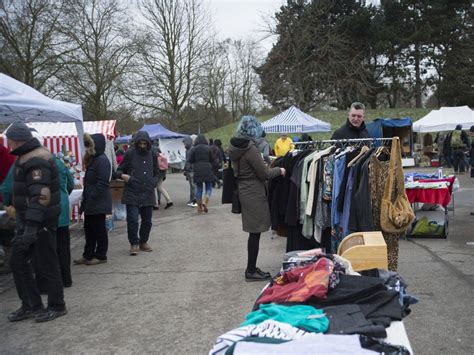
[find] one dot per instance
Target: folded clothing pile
(321, 308)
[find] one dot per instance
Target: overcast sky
(243, 19)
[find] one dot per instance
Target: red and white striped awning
(68, 129)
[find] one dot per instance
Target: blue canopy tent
(393, 127)
(294, 120)
(155, 131)
(158, 131)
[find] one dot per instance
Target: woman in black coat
(96, 201)
(201, 159)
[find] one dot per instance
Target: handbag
(396, 215)
(230, 190)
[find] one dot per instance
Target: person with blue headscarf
(251, 174)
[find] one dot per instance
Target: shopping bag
(396, 214)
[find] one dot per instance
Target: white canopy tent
(20, 102)
(294, 120)
(445, 119)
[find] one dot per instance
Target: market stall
(21, 102)
(395, 127)
(293, 120)
(435, 194)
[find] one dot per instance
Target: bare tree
(166, 72)
(29, 42)
(214, 81)
(102, 49)
(243, 94)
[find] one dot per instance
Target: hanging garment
(378, 172)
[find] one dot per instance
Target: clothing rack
(343, 142)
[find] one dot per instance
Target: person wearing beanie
(36, 199)
(251, 174)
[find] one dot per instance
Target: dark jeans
(97, 239)
(253, 244)
(458, 160)
(43, 251)
(192, 189)
(145, 214)
(63, 250)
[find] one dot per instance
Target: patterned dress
(378, 172)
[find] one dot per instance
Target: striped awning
(294, 120)
(68, 129)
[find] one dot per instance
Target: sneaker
(146, 247)
(81, 261)
(134, 250)
(256, 276)
(95, 261)
(168, 205)
(50, 314)
(192, 204)
(22, 313)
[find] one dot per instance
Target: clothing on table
(268, 329)
(300, 316)
(327, 344)
(300, 284)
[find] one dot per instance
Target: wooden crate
(116, 189)
(365, 250)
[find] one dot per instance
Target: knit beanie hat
(18, 131)
(249, 126)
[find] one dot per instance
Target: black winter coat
(142, 166)
(36, 194)
(96, 197)
(348, 131)
(201, 158)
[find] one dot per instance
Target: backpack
(456, 141)
(162, 162)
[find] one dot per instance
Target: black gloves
(29, 236)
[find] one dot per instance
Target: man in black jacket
(36, 198)
(355, 126)
(139, 170)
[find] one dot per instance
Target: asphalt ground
(190, 289)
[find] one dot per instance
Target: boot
(205, 203)
(199, 206)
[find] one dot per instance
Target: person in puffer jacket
(36, 199)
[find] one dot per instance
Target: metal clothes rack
(343, 142)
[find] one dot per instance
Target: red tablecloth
(434, 196)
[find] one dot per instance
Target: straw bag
(395, 216)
